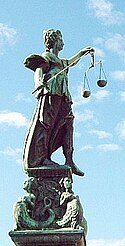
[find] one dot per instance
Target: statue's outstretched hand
(87, 50)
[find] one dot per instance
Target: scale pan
(101, 82)
(86, 94)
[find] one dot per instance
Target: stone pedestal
(50, 172)
(49, 214)
(63, 237)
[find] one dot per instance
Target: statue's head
(51, 38)
(30, 185)
(67, 182)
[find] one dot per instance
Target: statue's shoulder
(35, 61)
(47, 56)
(51, 57)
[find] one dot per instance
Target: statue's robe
(52, 123)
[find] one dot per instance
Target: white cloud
(99, 53)
(121, 129)
(116, 43)
(101, 95)
(118, 75)
(12, 153)
(105, 11)
(13, 119)
(108, 147)
(8, 36)
(79, 99)
(101, 147)
(88, 115)
(120, 242)
(21, 98)
(101, 134)
(87, 147)
(122, 95)
(99, 41)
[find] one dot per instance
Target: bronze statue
(52, 123)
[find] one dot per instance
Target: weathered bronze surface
(52, 123)
(50, 213)
(50, 203)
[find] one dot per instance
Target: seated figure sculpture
(52, 123)
(73, 212)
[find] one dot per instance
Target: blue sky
(99, 128)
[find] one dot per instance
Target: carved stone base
(61, 237)
(49, 213)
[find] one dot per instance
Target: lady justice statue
(52, 123)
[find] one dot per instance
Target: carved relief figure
(73, 212)
(34, 211)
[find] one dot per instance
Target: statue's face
(59, 43)
(27, 185)
(67, 183)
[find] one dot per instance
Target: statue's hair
(50, 36)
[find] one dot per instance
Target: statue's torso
(58, 85)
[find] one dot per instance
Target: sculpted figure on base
(33, 211)
(73, 212)
(52, 123)
(49, 204)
